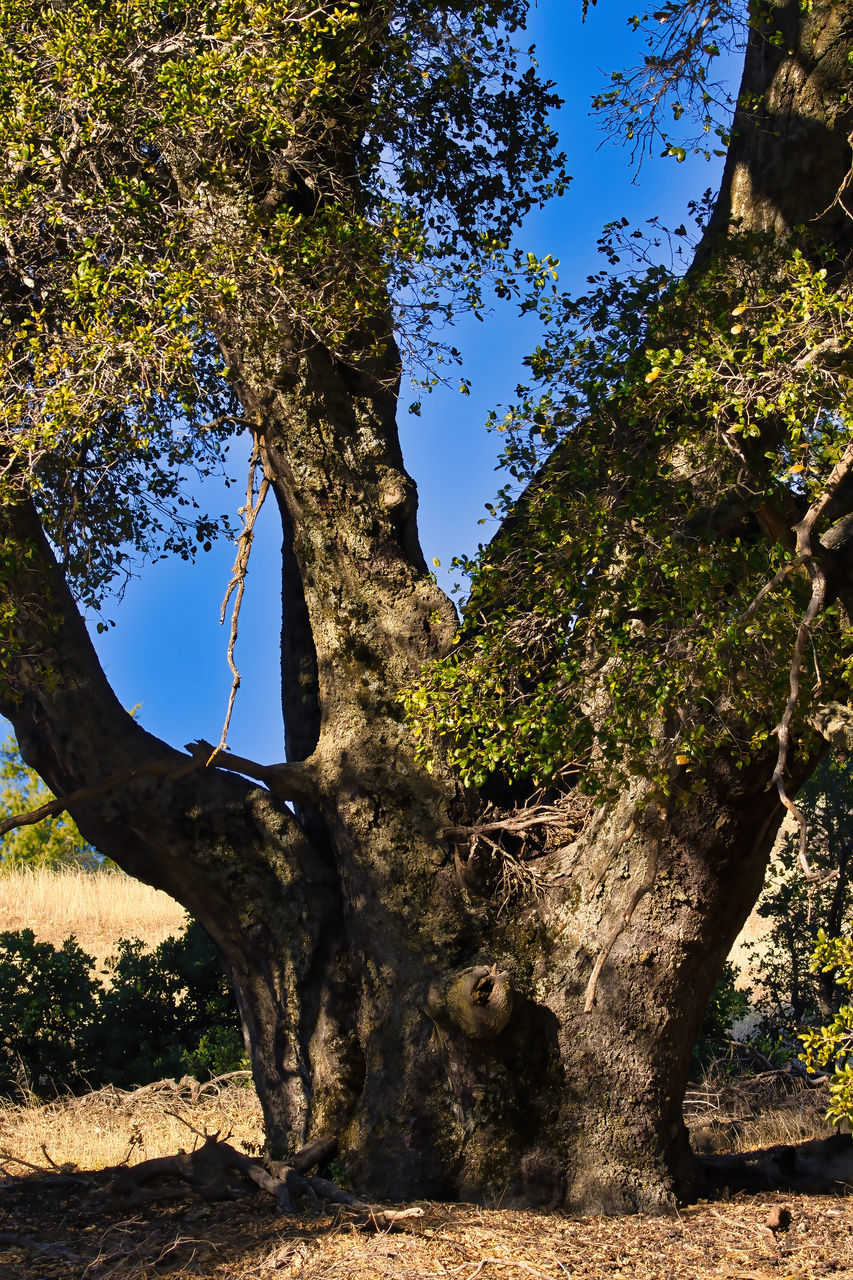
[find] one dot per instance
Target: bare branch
(250, 513)
(807, 555)
(287, 781)
(783, 729)
(623, 839)
(540, 816)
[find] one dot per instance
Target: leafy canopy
(673, 428)
(190, 188)
(674, 432)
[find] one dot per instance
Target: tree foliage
(167, 167)
(832, 1045)
(620, 587)
(54, 842)
(678, 97)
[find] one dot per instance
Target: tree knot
(478, 1001)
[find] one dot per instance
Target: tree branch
(545, 815)
(286, 781)
(753, 607)
(822, 505)
(808, 555)
(60, 803)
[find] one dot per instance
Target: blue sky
(167, 650)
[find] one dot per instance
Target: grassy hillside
(98, 908)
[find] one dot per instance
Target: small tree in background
(831, 1046)
(54, 842)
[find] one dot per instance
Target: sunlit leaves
(181, 180)
(603, 636)
(832, 1045)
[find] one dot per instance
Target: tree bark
(462, 1035)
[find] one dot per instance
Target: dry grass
(749, 1112)
(49, 1230)
(54, 1229)
(105, 1127)
(109, 1126)
(97, 908)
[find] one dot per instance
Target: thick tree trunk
(463, 1035)
(353, 957)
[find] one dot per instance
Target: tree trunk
(464, 1033)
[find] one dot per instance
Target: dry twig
(250, 513)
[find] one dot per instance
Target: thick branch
(72, 729)
(287, 781)
(823, 506)
(60, 803)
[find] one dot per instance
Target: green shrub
(831, 1046)
(48, 1013)
(162, 1008)
(167, 1012)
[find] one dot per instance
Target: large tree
(474, 941)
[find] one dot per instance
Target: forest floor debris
(48, 1229)
(44, 1236)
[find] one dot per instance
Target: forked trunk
(454, 1055)
(467, 1026)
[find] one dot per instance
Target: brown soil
(48, 1231)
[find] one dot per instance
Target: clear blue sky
(167, 651)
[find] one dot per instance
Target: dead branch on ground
(217, 1171)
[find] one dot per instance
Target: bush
(831, 1046)
(162, 1009)
(166, 1012)
(48, 1013)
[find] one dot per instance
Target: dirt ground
(49, 1231)
(56, 1225)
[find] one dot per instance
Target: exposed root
(524, 819)
(217, 1171)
